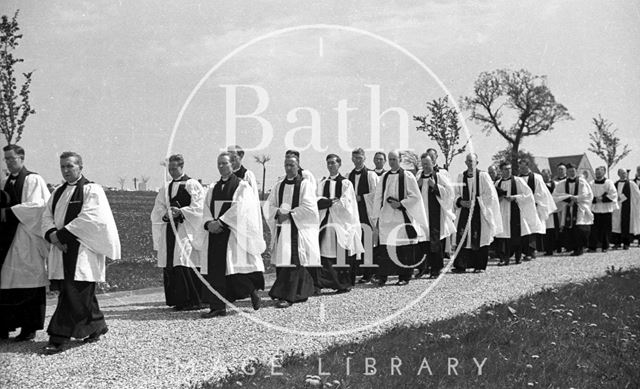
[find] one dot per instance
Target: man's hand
(175, 212)
(509, 198)
(215, 227)
(465, 203)
(395, 204)
(431, 182)
(56, 242)
(359, 198)
(282, 217)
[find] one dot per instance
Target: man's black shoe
(503, 263)
(96, 335)
(256, 301)
(52, 348)
(458, 270)
(402, 283)
(25, 335)
(214, 313)
(283, 304)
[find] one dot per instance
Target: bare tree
(15, 107)
(145, 180)
(263, 159)
(441, 123)
(605, 143)
(122, 181)
(520, 96)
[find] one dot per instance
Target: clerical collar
(562, 178)
(427, 175)
(357, 172)
(507, 179)
(378, 170)
(74, 182)
(470, 174)
(599, 181)
(288, 180)
(223, 179)
(178, 179)
(571, 180)
(334, 177)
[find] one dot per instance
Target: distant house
(581, 161)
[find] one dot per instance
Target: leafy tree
(517, 96)
(442, 125)
(605, 144)
(15, 107)
(412, 159)
(122, 181)
(263, 159)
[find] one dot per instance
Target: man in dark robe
(605, 201)
(574, 197)
(475, 190)
(176, 218)
(437, 197)
(626, 219)
(233, 241)
(364, 181)
(340, 230)
(80, 227)
(291, 212)
(22, 249)
(550, 241)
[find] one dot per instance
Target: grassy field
(576, 336)
(137, 268)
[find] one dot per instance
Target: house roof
(566, 159)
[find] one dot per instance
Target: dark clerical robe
(234, 267)
(294, 243)
(80, 215)
(174, 239)
(23, 253)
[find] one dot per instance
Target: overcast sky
(111, 77)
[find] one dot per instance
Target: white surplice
(391, 222)
(183, 253)
(445, 198)
(24, 265)
(94, 228)
(343, 224)
(529, 220)
(305, 216)
(243, 218)
(584, 199)
(634, 217)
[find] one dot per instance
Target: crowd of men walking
(369, 223)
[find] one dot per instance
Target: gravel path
(151, 346)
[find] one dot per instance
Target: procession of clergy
(370, 223)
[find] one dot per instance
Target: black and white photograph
(329, 194)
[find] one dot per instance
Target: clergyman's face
(358, 160)
(394, 161)
(599, 173)
(70, 169)
(523, 168)
(13, 160)
(379, 160)
(506, 171)
(622, 174)
(571, 173)
(333, 166)
(471, 161)
(562, 171)
(291, 167)
(224, 165)
(175, 169)
(236, 161)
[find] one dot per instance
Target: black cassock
(331, 276)
(234, 286)
(293, 283)
(182, 288)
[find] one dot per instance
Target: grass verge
(581, 335)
